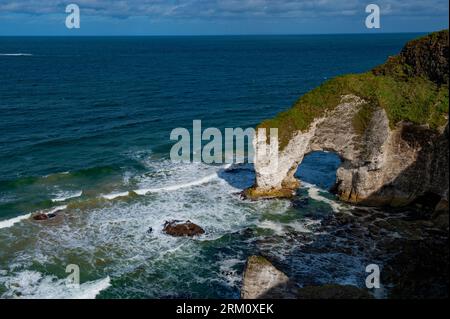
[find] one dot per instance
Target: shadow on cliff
(426, 181)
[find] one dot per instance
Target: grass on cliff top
(417, 100)
(391, 86)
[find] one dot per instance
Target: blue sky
(209, 17)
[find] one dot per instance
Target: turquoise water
(83, 119)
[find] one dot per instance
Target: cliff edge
(389, 126)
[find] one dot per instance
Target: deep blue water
(78, 103)
(85, 117)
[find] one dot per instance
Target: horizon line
(219, 34)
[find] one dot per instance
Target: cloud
(205, 9)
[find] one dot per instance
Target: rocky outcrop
(427, 57)
(386, 160)
(177, 228)
(262, 280)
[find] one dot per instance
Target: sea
(86, 120)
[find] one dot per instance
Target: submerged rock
(179, 229)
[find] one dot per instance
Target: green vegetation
(417, 99)
(362, 119)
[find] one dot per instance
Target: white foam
(10, 222)
(313, 192)
(170, 188)
(213, 206)
(15, 54)
(33, 285)
(277, 228)
(57, 208)
(115, 195)
(304, 226)
(229, 273)
(63, 196)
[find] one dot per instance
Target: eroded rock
(45, 216)
(263, 280)
(40, 217)
(385, 162)
(180, 229)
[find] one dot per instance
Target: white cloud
(227, 8)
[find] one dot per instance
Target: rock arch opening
(319, 168)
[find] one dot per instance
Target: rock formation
(263, 281)
(179, 229)
(389, 126)
(261, 278)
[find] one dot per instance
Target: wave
(33, 285)
(11, 222)
(67, 195)
(145, 191)
(116, 195)
(197, 182)
(280, 229)
(140, 246)
(57, 208)
(313, 192)
(16, 54)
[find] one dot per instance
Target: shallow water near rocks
(118, 257)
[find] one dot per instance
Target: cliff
(389, 126)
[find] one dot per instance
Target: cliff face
(389, 126)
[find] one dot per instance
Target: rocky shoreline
(410, 245)
(389, 126)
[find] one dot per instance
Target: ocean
(86, 119)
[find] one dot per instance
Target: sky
(219, 17)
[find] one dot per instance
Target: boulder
(263, 280)
(46, 216)
(180, 229)
(40, 217)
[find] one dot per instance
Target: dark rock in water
(179, 229)
(45, 216)
(333, 292)
(40, 216)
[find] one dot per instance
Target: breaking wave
(15, 54)
(33, 285)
